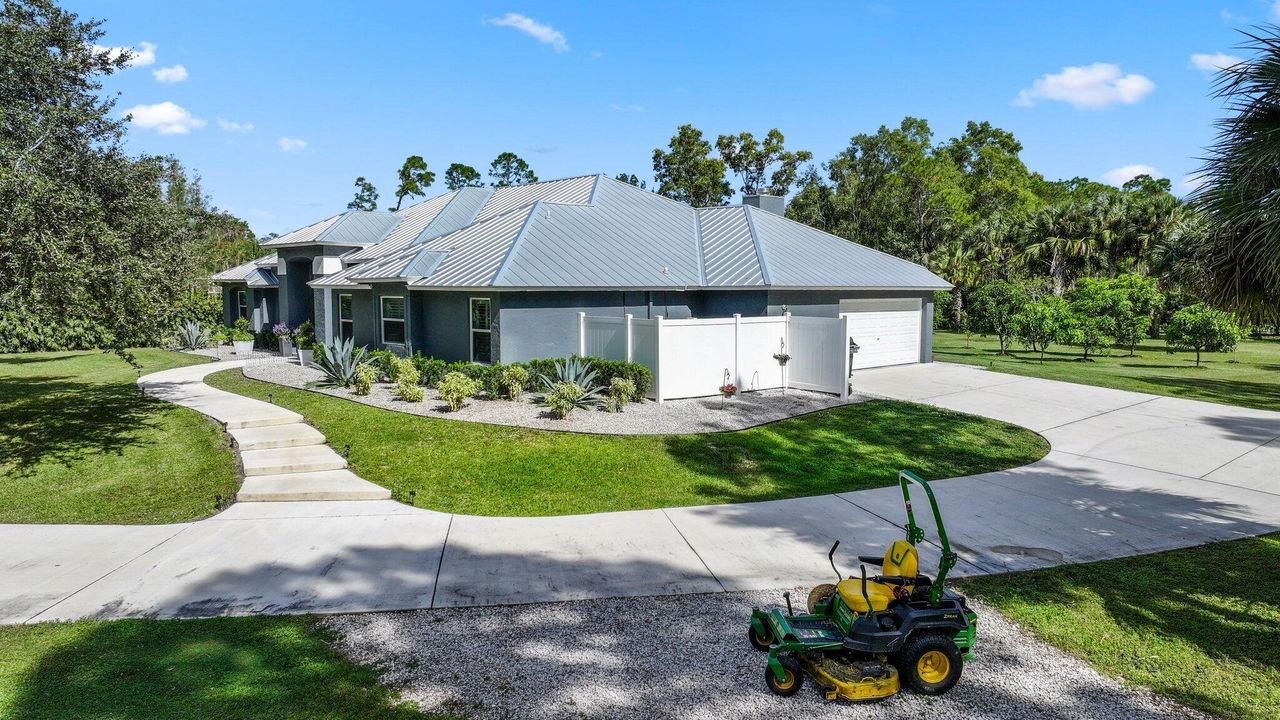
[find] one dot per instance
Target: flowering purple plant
(282, 330)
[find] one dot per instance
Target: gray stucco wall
(445, 325)
(545, 324)
(296, 301)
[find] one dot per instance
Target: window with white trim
(481, 330)
(392, 319)
(242, 304)
(346, 320)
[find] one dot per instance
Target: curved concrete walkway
(1129, 473)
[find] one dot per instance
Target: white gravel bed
(688, 657)
(227, 352)
(693, 415)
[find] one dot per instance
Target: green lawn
(1200, 625)
(494, 470)
(80, 444)
(1249, 377)
(221, 669)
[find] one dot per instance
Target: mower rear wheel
(792, 678)
(930, 664)
(758, 641)
(821, 593)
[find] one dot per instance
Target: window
(242, 304)
(393, 320)
(481, 331)
(346, 325)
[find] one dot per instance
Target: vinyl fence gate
(695, 357)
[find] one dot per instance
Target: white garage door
(887, 332)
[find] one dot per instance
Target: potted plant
(241, 337)
(284, 334)
(782, 358)
(305, 340)
(728, 390)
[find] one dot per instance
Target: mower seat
(900, 560)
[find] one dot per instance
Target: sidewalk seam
(435, 585)
(692, 549)
(104, 576)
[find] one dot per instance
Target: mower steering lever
(871, 560)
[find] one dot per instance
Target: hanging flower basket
(782, 358)
(729, 390)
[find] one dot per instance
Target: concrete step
(277, 461)
(319, 485)
(276, 436)
(266, 416)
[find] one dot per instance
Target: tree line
(414, 178)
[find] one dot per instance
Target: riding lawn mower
(863, 638)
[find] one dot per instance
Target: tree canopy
(460, 176)
(366, 196)
(508, 169)
(414, 178)
(687, 172)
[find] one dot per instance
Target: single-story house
(502, 274)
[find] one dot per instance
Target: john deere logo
(899, 556)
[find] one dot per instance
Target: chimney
(775, 204)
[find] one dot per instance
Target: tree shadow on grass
(209, 669)
(60, 419)
(850, 448)
(1219, 599)
(1265, 396)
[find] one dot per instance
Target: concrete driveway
(1129, 473)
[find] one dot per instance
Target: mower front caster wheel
(792, 678)
(759, 642)
(930, 664)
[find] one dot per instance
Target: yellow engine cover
(840, 682)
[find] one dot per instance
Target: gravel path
(227, 352)
(620, 658)
(692, 415)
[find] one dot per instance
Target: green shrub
(541, 367)
(366, 376)
(403, 371)
(305, 337)
(240, 332)
(409, 392)
(456, 388)
(621, 391)
(562, 398)
(639, 375)
(384, 362)
(515, 378)
(431, 370)
(1201, 328)
(217, 335)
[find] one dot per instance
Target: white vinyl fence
(695, 357)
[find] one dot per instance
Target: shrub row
(432, 371)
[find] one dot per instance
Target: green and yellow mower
(863, 638)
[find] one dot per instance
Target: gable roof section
(574, 190)
(255, 273)
(799, 256)
(473, 255)
(354, 227)
(729, 248)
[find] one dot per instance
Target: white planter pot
(304, 357)
(242, 347)
(286, 347)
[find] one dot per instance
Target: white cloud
(1212, 62)
(289, 145)
(144, 54)
(626, 108)
(1125, 173)
(1088, 87)
(175, 74)
(165, 118)
(538, 31)
(232, 126)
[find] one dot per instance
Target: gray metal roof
(729, 248)
(255, 273)
(596, 232)
(354, 227)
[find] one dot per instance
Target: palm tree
(958, 265)
(1241, 182)
(1062, 233)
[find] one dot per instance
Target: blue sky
(281, 105)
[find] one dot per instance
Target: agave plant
(193, 336)
(338, 361)
(572, 387)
